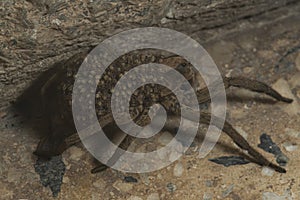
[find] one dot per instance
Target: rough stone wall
(35, 34)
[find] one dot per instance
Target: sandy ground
(266, 48)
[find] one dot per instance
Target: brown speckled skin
(57, 99)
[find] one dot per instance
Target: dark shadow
(29, 104)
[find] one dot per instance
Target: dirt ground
(266, 48)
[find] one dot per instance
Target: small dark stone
(130, 179)
(268, 145)
(171, 187)
(230, 160)
(282, 159)
(209, 183)
(51, 173)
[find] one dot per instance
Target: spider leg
(74, 138)
(125, 143)
(203, 95)
(205, 118)
(53, 144)
(239, 140)
(255, 86)
(61, 137)
(116, 155)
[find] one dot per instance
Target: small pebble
(170, 14)
(247, 70)
(272, 196)
(130, 179)
(144, 178)
(153, 196)
(122, 187)
(56, 21)
(290, 147)
(209, 183)
(171, 187)
(164, 20)
(134, 198)
(75, 153)
(267, 144)
(207, 196)
(99, 183)
(282, 159)
(178, 169)
(226, 192)
(66, 179)
(266, 171)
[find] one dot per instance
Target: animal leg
(117, 154)
(203, 95)
(239, 140)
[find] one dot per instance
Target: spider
(57, 100)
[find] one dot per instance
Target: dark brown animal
(57, 98)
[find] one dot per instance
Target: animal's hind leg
(206, 118)
(256, 86)
(53, 144)
(116, 155)
(239, 140)
(203, 95)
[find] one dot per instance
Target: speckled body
(57, 94)
(57, 98)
